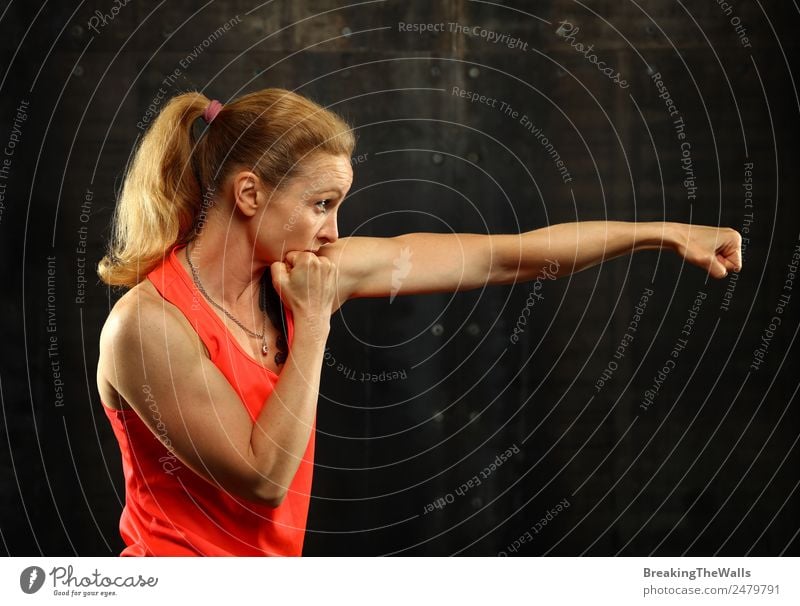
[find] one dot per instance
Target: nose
(329, 231)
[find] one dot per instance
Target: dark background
(709, 468)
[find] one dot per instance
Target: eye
(323, 204)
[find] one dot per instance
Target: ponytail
(160, 197)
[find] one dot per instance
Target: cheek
(307, 223)
(290, 228)
(275, 230)
(282, 221)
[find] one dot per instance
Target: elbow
(498, 272)
(275, 500)
(541, 271)
(269, 493)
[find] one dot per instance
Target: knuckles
(305, 256)
(309, 259)
(308, 262)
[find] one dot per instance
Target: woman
(210, 363)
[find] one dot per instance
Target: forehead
(324, 170)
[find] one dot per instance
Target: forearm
(282, 430)
(567, 248)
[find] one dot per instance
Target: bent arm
(192, 408)
(282, 430)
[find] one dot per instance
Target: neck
(227, 268)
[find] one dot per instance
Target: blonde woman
(210, 363)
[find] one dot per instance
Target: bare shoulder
(141, 316)
(139, 308)
(144, 307)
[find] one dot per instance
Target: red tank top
(169, 509)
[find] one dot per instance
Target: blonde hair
(269, 132)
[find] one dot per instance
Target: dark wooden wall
(710, 467)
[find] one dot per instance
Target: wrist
(312, 326)
(657, 235)
(675, 236)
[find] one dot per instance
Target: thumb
(291, 257)
(717, 269)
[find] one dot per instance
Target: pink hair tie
(211, 111)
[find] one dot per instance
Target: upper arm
(156, 363)
(413, 263)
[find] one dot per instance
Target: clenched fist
(717, 250)
(306, 283)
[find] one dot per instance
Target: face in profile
(303, 216)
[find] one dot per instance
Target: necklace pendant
(264, 347)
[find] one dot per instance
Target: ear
(247, 193)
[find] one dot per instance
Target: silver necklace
(196, 278)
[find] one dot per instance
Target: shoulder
(141, 321)
(141, 307)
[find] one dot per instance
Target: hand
(717, 250)
(306, 283)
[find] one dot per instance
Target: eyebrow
(327, 189)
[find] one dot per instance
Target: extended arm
(577, 246)
(417, 263)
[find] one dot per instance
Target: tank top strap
(172, 283)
